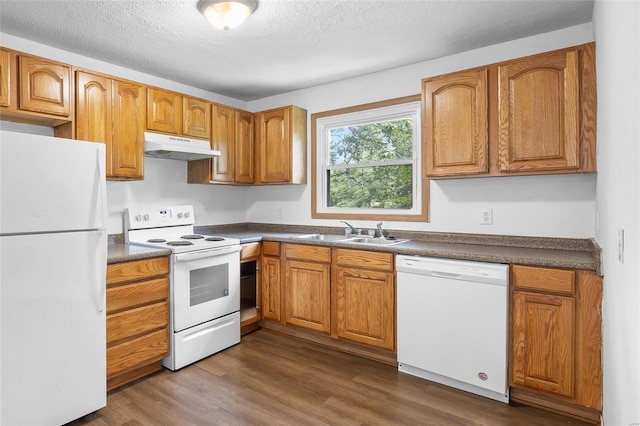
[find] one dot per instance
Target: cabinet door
(244, 155)
(5, 77)
(275, 146)
(271, 287)
(196, 115)
(538, 109)
(223, 140)
(307, 295)
(128, 130)
(44, 86)
(94, 111)
(543, 342)
(366, 306)
(456, 124)
(164, 111)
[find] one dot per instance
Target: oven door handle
(185, 257)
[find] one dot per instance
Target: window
(367, 162)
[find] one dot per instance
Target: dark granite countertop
(536, 251)
(118, 251)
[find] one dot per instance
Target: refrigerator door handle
(102, 187)
(101, 271)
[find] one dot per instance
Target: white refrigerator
(53, 256)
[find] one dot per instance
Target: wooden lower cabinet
(556, 340)
(364, 294)
(271, 280)
(137, 319)
(307, 287)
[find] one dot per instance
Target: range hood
(177, 148)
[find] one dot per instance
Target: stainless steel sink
(371, 241)
(320, 237)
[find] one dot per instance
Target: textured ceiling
(286, 44)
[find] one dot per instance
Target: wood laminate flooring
(271, 379)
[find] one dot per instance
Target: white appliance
(177, 148)
(452, 323)
(204, 281)
(53, 257)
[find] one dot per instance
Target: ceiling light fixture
(227, 14)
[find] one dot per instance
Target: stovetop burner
(156, 240)
(179, 243)
(214, 239)
(192, 237)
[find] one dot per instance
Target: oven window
(209, 284)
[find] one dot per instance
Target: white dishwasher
(452, 323)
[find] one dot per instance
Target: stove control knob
(146, 217)
(186, 214)
(138, 218)
(180, 215)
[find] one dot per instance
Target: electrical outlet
(486, 217)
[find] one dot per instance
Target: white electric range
(204, 281)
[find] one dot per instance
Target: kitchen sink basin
(320, 237)
(372, 241)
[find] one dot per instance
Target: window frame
(419, 213)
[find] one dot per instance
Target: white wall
(618, 202)
(561, 206)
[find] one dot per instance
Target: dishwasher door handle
(445, 275)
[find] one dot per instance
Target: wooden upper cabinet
(45, 86)
(196, 116)
(112, 112)
(539, 113)
(223, 140)
(164, 111)
(281, 138)
(94, 109)
(5, 78)
(455, 124)
(128, 130)
(527, 116)
(244, 147)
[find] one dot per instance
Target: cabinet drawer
(141, 293)
(137, 321)
(136, 270)
(543, 279)
(136, 352)
(250, 250)
(364, 259)
(303, 252)
(270, 248)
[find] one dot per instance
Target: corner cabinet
(307, 291)
(281, 139)
(233, 135)
(556, 340)
(364, 297)
(527, 116)
(137, 319)
(112, 112)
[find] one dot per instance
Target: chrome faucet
(380, 230)
(356, 231)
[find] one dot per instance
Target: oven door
(206, 285)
